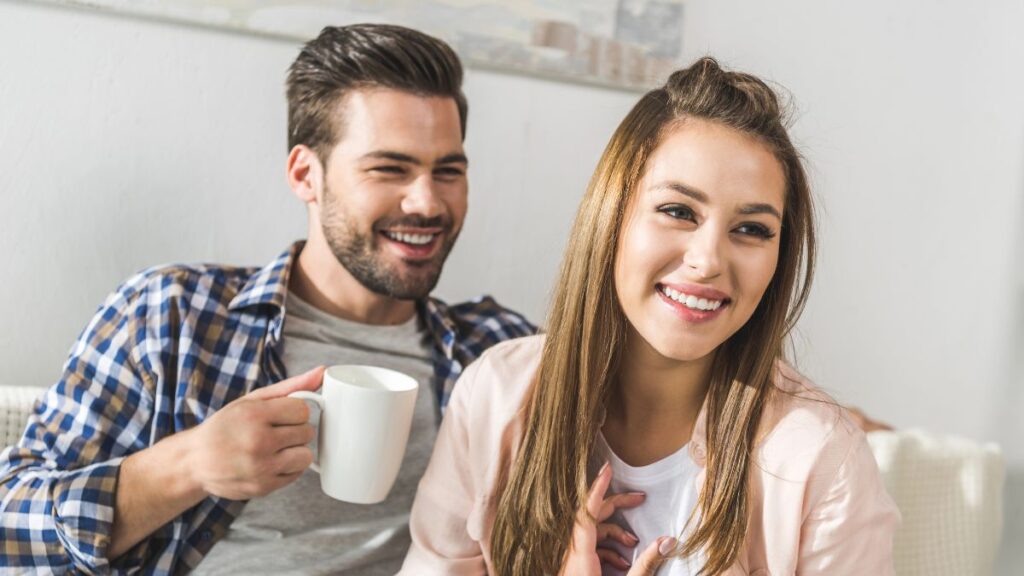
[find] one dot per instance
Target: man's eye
(388, 169)
(756, 230)
(678, 211)
(448, 172)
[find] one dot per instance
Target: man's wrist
(186, 481)
(155, 486)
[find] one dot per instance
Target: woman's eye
(678, 211)
(756, 230)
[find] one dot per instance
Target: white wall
(125, 143)
(910, 116)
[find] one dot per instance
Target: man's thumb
(308, 381)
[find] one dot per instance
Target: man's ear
(305, 173)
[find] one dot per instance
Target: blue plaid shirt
(165, 351)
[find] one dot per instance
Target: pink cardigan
(818, 505)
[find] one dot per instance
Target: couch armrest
(949, 491)
(16, 404)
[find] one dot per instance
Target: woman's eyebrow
(684, 190)
(691, 192)
(760, 209)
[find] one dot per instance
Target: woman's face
(700, 239)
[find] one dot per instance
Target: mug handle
(319, 401)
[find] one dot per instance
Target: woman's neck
(655, 403)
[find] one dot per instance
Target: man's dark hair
(344, 58)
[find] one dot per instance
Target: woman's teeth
(416, 239)
(691, 301)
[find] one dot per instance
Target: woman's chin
(681, 350)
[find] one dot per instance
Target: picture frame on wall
(626, 44)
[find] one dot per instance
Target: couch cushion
(949, 491)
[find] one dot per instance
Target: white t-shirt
(671, 489)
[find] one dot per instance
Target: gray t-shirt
(301, 530)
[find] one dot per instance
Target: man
(169, 443)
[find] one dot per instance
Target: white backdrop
(125, 143)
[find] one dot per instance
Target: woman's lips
(691, 306)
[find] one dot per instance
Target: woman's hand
(585, 556)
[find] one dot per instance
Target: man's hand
(248, 448)
(585, 554)
(257, 443)
(865, 422)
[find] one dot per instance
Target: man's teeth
(691, 301)
(418, 239)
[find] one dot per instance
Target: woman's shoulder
(804, 431)
(493, 387)
(509, 363)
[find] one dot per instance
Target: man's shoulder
(201, 285)
(483, 321)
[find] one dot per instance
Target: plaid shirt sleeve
(57, 485)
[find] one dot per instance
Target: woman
(661, 377)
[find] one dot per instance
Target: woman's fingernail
(632, 538)
(667, 545)
(640, 494)
(604, 468)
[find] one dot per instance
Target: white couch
(15, 406)
(949, 491)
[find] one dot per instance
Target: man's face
(395, 188)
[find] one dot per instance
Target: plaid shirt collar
(268, 288)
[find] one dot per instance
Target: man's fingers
(285, 437)
(280, 481)
(309, 381)
(865, 422)
(294, 460)
(286, 411)
(652, 557)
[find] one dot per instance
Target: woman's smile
(693, 303)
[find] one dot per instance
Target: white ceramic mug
(365, 418)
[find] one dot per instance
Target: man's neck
(318, 278)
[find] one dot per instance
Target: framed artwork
(630, 44)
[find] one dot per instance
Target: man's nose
(422, 198)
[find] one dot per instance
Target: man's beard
(360, 253)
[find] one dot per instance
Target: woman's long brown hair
(586, 332)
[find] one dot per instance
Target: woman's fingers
(601, 508)
(612, 557)
(608, 531)
(650, 559)
(616, 501)
(595, 499)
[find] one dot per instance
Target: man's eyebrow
(454, 158)
(756, 208)
(390, 155)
